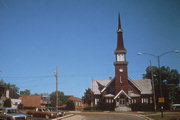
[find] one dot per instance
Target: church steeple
(120, 51)
(121, 73)
(120, 42)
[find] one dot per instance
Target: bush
(91, 108)
(142, 107)
(106, 106)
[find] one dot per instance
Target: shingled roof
(97, 84)
(143, 85)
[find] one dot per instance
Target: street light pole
(160, 85)
(160, 81)
(161, 99)
(153, 87)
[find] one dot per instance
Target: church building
(121, 90)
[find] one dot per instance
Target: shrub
(106, 106)
(142, 107)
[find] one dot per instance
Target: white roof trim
(135, 84)
(122, 91)
(103, 89)
(106, 85)
(109, 95)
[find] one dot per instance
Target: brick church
(121, 90)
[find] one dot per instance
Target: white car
(12, 114)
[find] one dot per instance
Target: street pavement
(98, 116)
(105, 116)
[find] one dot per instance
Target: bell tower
(121, 72)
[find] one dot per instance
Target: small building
(77, 102)
(36, 100)
(15, 102)
(6, 93)
(31, 101)
(45, 100)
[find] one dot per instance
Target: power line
(27, 77)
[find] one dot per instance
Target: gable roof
(74, 98)
(96, 84)
(144, 85)
(132, 81)
(107, 85)
(122, 92)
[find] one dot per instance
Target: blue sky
(79, 36)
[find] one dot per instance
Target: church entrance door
(122, 101)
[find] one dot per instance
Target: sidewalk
(166, 115)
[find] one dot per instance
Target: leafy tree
(2, 90)
(62, 98)
(25, 92)
(88, 96)
(9, 86)
(170, 79)
(35, 94)
(7, 103)
(174, 93)
(170, 76)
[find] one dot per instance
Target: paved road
(105, 116)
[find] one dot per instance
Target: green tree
(25, 92)
(9, 86)
(88, 96)
(169, 81)
(62, 98)
(174, 93)
(170, 76)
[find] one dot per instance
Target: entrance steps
(122, 108)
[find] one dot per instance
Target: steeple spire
(119, 22)
(120, 42)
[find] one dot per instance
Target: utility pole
(57, 87)
(153, 86)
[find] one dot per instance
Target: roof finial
(119, 22)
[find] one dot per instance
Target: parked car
(42, 112)
(54, 109)
(12, 114)
(176, 107)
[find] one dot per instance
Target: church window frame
(130, 90)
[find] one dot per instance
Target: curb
(66, 116)
(144, 117)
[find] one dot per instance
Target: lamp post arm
(147, 54)
(172, 51)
